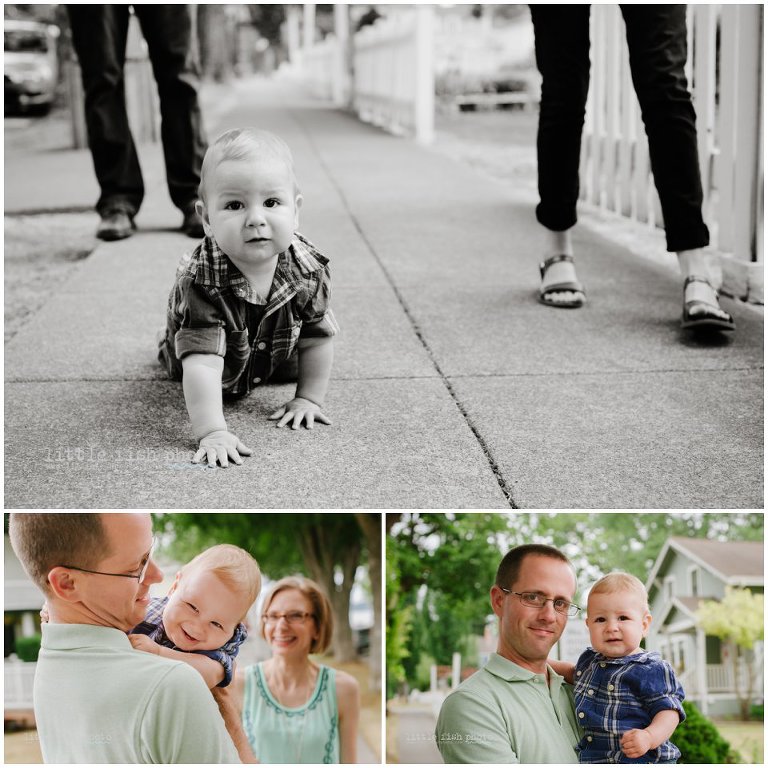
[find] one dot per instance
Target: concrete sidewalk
(452, 386)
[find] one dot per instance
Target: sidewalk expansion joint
(632, 372)
(52, 210)
(502, 483)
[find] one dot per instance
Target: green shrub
(756, 712)
(699, 741)
(27, 648)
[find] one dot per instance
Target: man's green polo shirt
(507, 714)
(97, 700)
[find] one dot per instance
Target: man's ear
(202, 210)
(64, 585)
(497, 599)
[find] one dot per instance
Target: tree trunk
(316, 551)
(371, 526)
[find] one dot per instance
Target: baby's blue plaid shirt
(614, 696)
(152, 627)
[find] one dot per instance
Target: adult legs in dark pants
(656, 37)
(99, 34)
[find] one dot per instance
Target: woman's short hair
(234, 567)
(618, 581)
(321, 608)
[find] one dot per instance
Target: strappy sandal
(569, 285)
(706, 320)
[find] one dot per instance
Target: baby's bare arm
(202, 392)
(637, 742)
(211, 670)
(315, 361)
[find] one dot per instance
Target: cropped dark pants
(99, 34)
(656, 36)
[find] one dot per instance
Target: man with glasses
(96, 699)
(516, 709)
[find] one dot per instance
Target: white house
(687, 572)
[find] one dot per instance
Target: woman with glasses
(293, 709)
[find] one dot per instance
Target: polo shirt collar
(63, 637)
(507, 670)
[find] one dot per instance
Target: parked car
(30, 65)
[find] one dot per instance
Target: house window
(669, 587)
(694, 576)
(714, 650)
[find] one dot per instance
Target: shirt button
(581, 714)
(261, 345)
(610, 687)
(578, 674)
(257, 380)
(589, 738)
(590, 692)
(602, 663)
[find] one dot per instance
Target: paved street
(452, 387)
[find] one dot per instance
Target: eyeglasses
(142, 568)
(535, 600)
(292, 617)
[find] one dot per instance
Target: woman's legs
(657, 41)
(562, 57)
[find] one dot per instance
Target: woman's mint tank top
(278, 734)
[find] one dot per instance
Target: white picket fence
(726, 82)
(392, 86)
(18, 679)
(392, 75)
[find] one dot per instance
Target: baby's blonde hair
(234, 567)
(241, 143)
(619, 581)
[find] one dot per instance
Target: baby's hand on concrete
(299, 411)
(636, 743)
(221, 446)
(143, 643)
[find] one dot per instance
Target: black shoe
(192, 226)
(115, 225)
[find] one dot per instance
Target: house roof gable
(733, 562)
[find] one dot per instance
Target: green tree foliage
(738, 619)
(441, 567)
(327, 547)
(699, 741)
(601, 542)
(399, 621)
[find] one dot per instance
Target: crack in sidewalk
(502, 483)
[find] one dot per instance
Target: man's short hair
(43, 540)
(509, 567)
(618, 581)
(242, 143)
(234, 567)
(321, 608)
